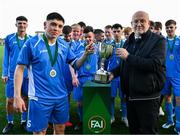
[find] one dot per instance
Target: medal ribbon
(118, 46)
(53, 60)
(18, 42)
(169, 47)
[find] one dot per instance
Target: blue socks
(124, 108)
(10, 118)
(24, 117)
(79, 110)
(112, 107)
(169, 110)
(177, 112)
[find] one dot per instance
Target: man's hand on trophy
(111, 76)
(122, 53)
(89, 49)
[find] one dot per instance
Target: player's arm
(18, 78)
(5, 61)
(88, 50)
(75, 80)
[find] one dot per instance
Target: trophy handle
(102, 63)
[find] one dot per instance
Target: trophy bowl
(105, 51)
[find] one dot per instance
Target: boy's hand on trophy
(89, 49)
(122, 53)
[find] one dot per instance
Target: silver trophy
(105, 51)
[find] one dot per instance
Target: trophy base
(101, 78)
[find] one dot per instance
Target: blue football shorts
(171, 84)
(116, 88)
(78, 91)
(41, 111)
(9, 90)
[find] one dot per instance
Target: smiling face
(89, 37)
(76, 32)
(53, 28)
(140, 22)
(170, 30)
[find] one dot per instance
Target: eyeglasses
(141, 21)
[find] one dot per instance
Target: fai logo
(97, 124)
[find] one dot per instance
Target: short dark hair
(169, 22)
(151, 23)
(158, 25)
(55, 15)
(116, 26)
(98, 31)
(88, 29)
(67, 29)
(108, 27)
(21, 18)
(82, 24)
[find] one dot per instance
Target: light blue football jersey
(114, 61)
(173, 66)
(35, 55)
(11, 52)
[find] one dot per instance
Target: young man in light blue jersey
(77, 46)
(109, 39)
(13, 45)
(172, 75)
(67, 36)
(46, 56)
(85, 73)
(83, 26)
(77, 43)
(99, 35)
(114, 61)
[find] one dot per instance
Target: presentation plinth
(96, 108)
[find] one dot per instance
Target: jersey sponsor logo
(43, 51)
(97, 124)
(14, 42)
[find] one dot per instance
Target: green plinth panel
(96, 108)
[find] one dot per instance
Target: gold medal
(88, 66)
(53, 73)
(171, 57)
